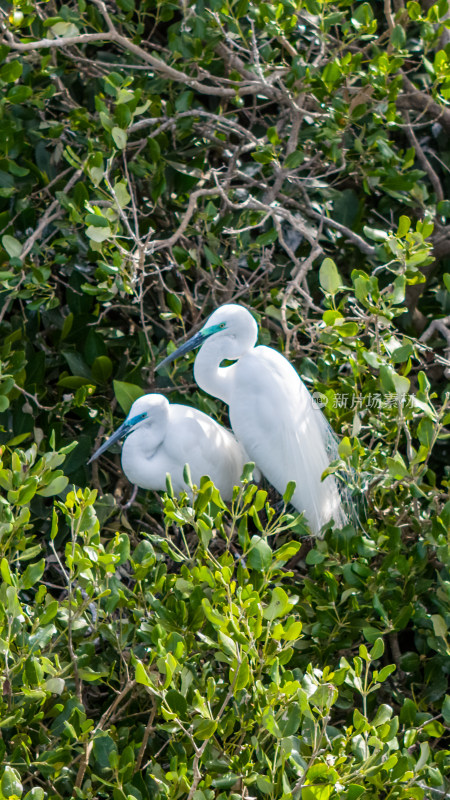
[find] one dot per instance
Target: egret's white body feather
(162, 437)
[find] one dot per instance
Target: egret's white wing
(209, 449)
(285, 433)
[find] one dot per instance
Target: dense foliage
(159, 159)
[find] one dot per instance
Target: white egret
(162, 437)
(271, 411)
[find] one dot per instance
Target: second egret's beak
(120, 433)
(191, 344)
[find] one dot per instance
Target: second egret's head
(145, 410)
(230, 322)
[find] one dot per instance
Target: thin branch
(441, 326)
(423, 160)
(89, 745)
(49, 215)
(147, 732)
(159, 244)
(353, 237)
(416, 100)
(253, 86)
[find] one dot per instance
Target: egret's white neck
(210, 376)
(149, 434)
(238, 339)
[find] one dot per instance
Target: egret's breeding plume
(271, 411)
(162, 437)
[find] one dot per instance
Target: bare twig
(423, 160)
(252, 86)
(147, 732)
(89, 744)
(159, 244)
(353, 237)
(49, 215)
(414, 99)
(441, 326)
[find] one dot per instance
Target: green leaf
(267, 238)
(425, 432)
(101, 369)
(332, 73)
(423, 757)
(294, 159)
(10, 783)
(401, 354)
(384, 713)
(98, 234)
(76, 364)
(315, 557)
(35, 794)
(55, 685)
(345, 448)
(243, 676)
(33, 574)
(120, 137)
(121, 193)
(12, 246)
(446, 709)
(49, 613)
(290, 489)
(377, 649)
(279, 604)
(97, 220)
(56, 486)
(354, 791)
(318, 792)
(401, 383)
(177, 703)
(126, 394)
(6, 572)
(287, 551)
(403, 226)
(11, 71)
(414, 9)
(204, 728)
(329, 277)
(259, 556)
(397, 467)
(434, 728)
(19, 94)
(104, 747)
(290, 721)
(439, 625)
(398, 37)
(141, 675)
(385, 672)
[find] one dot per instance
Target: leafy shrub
(202, 673)
(157, 160)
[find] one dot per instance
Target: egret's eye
(222, 325)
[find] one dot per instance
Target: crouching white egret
(271, 411)
(162, 437)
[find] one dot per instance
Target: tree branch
(253, 87)
(423, 160)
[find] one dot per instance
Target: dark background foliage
(159, 159)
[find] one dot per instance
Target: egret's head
(228, 322)
(144, 411)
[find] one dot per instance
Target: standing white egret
(162, 437)
(271, 411)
